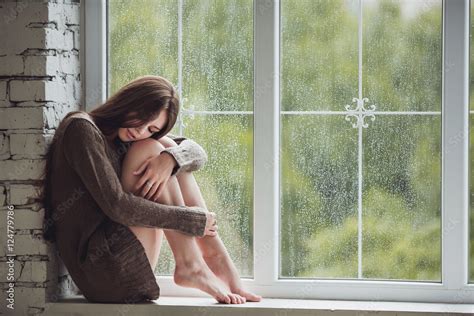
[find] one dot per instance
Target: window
(336, 132)
(361, 139)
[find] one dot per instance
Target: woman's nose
(140, 131)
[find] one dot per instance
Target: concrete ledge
(167, 305)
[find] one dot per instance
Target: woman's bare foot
(226, 271)
(199, 276)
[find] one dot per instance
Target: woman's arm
(84, 149)
(189, 155)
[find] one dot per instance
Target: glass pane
(142, 40)
(226, 181)
(218, 55)
(402, 198)
(400, 174)
(318, 197)
(217, 75)
(402, 47)
(319, 54)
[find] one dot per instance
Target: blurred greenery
(401, 152)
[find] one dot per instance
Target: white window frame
(454, 287)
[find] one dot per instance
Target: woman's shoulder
(79, 124)
(79, 115)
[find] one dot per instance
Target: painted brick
(58, 39)
(38, 271)
(26, 271)
(3, 90)
(26, 299)
(25, 244)
(4, 146)
(15, 18)
(32, 103)
(24, 13)
(69, 63)
(41, 65)
(30, 38)
(11, 65)
(36, 90)
(72, 14)
(71, 89)
(25, 219)
(11, 269)
(64, 14)
(5, 104)
(3, 195)
(29, 245)
(18, 118)
(21, 193)
(54, 115)
(77, 36)
(41, 39)
(28, 145)
(26, 169)
(27, 90)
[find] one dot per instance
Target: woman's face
(132, 134)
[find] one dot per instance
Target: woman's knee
(145, 147)
(137, 153)
(167, 141)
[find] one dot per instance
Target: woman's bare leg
(191, 269)
(151, 238)
(214, 252)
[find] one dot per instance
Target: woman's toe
(228, 299)
(250, 296)
(238, 298)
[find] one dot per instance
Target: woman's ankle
(192, 264)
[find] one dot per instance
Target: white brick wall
(39, 84)
(4, 147)
(23, 169)
(27, 271)
(3, 90)
(21, 194)
(3, 195)
(14, 117)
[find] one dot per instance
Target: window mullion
(94, 53)
(266, 140)
(455, 143)
(180, 68)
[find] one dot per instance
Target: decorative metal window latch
(360, 112)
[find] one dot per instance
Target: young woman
(115, 183)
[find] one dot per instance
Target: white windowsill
(168, 305)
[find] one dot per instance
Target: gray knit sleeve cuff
(189, 155)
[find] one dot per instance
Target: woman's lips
(130, 135)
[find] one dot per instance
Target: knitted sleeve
(84, 149)
(189, 155)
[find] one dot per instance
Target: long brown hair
(138, 102)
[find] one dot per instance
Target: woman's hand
(211, 225)
(156, 173)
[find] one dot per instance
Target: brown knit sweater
(90, 205)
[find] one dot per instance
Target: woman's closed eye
(153, 130)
